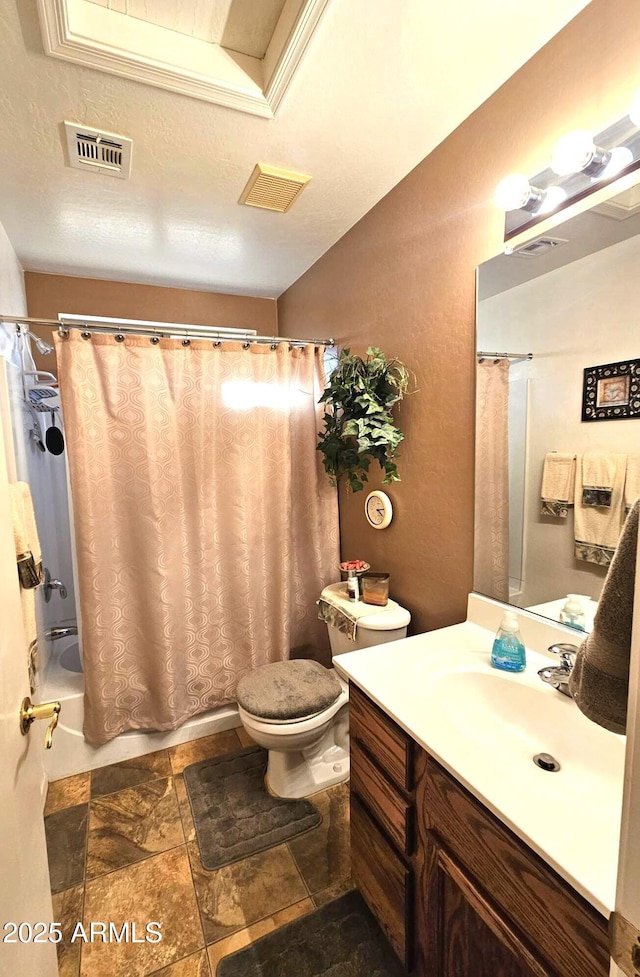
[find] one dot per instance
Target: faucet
(558, 675)
(63, 632)
(49, 585)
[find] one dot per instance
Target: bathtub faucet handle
(49, 585)
(45, 710)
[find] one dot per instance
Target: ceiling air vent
(541, 245)
(102, 152)
(271, 188)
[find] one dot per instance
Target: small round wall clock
(378, 509)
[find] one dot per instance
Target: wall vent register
(539, 246)
(98, 151)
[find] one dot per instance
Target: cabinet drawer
(384, 740)
(383, 879)
(565, 930)
(392, 812)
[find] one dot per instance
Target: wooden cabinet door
(468, 937)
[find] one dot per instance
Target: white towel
(632, 482)
(598, 476)
(29, 561)
(598, 526)
(558, 481)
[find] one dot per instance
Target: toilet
(298, 710)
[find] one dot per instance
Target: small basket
(344, 574)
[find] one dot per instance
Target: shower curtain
(205, 527)
(491, 564)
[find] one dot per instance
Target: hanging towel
(598, 475)
(29, 562)
(599, 681)
(597, 527)
(558, 481)
(342, 613)
(632, 481)
(25, 534)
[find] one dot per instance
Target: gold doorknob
(45, 710)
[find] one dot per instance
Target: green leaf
(358, 423)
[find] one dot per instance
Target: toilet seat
(282, 727)
(288, 691)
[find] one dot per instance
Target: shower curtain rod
(483, 355)
(142, 327)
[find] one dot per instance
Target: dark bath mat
(234, 813)
(342, 938)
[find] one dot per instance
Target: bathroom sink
(512, 717)
(486, 726)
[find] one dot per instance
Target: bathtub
(63, 679)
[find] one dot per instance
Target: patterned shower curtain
(205, 527)
(491, 563)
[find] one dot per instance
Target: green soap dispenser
(508, 648)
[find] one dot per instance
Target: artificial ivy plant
(358, 424)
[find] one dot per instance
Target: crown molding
(87, 34)
(280, 73)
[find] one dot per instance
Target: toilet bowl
(298, 710)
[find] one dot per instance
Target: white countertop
(485, 725)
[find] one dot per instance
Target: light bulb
(516, 193)
(573, 153)
(553, 197)
(621, 156)
(634, 111)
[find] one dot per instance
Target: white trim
(278, 75)
(107, 40)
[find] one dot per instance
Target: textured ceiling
(239, 25)
(380, 86)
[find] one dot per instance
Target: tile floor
(122, 847)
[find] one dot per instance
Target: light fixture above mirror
(580, 165)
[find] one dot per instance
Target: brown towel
(599, 681)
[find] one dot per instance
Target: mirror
(570, 298)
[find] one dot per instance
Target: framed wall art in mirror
(611, 392)
(551, 298)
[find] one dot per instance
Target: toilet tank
(383, 624)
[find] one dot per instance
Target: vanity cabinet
(456, 892)
(382, 820)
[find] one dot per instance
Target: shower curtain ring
(246, 345)
(217, 343)
(154, 340)
(186, 342)
(274, 345)
(119, 338)
(86, 335)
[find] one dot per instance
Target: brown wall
(47, 295)
(404, 278)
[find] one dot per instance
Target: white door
(24, 873)
(628, 890)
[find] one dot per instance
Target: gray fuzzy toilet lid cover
(288, 690)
